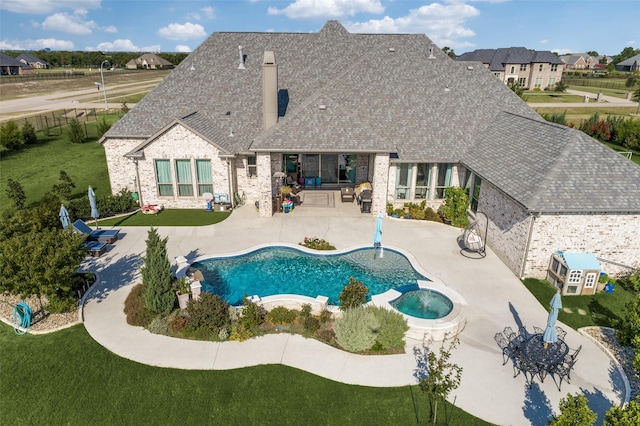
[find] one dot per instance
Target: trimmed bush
(393, 327)
(356, 330)
(252, 314)
(208, 312)
(135, 308)
(159, 325)
(282, 315)
(354, 294)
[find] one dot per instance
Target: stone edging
(625, 379)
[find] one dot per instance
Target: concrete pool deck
(495, 297)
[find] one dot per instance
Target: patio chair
(347, 194)
(560, 332)
(503, 344)
(571, 359)
(107, 235)
(537, 330)
(95, 248)
(509, 333)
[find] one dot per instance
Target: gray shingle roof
(631, 61)
(549, 167)
(498, 58)
(379, 100)
(31, 58)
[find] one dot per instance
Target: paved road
(495, 297)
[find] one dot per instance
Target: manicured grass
(168, 217)
(37, 167)
(618, 93)
(67, 378)
(601, 309)
(551, 97)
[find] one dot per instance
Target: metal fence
(8, 79)
(51, 123)
(595, 82)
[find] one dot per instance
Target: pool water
(423, 303)
(285, 270)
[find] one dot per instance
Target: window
(522, 81)
(163, 175)
(443, 179)
(423, 181)
(252, 168)
(476, 194)
(205, 181)
(497, 74)
(183, 175)
(589, 280)
(538, 83)
(541, 67)
(554, 67)
(513, 69)
(575, 276)
(403, 181)
(552, 82)
(523, 67)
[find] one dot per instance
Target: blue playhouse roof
(583, 261)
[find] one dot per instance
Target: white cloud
(562, 51)
(68, 23)
(327, 8)
(629, 42)
(43, 43)
(443, 23)
(110, 29)
(543, 41)
(47, 6)
(122, 45)
(183, 49)
(205, 13)
(182, 32)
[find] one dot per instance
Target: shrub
(135, 308)
(240, 333)
(356, 330)
(325, 316)
(629, 326)
(393, 326)
(282, 315)
(15, 193)
(103, 126)
(354, 294)
(28, 133)
(252, 314)
(210, 312)
(159, 325)
(223, 334)
(456, 205)
(178, 323)
(630, 281)
(316, 244)
(311, 324)
(430, 214)
(75, 132)
(59, 303)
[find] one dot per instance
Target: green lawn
(618, 93)
(168, 217)
(551, 97)
(67, 378)
(600, 309)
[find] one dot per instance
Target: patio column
(380, 181)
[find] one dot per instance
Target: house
(630, 65)
(531, 69)
(574, 273)
(11, 66)
(245, 109)
(32, 61)
(149, 61)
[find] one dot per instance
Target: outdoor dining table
(533, 351)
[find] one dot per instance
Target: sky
(563, 26)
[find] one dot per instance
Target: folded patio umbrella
(64, 217)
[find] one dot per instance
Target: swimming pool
(276, 270)
(423, 303)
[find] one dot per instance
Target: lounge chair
(347, 194)
(95, 248)
(107, 235)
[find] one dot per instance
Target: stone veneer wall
(613, 238)
(265, 188)
(379, 182)
(508, 226)
(122, 171)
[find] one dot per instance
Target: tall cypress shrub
(156, 275)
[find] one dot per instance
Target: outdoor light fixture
(104, 88)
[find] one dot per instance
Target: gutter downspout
(138, 188)
(229, 177)
(526, 251)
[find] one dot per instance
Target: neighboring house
(149, 61)
(390, 109)
(632, 64)
(531, 69)
(580, 61)
(32, 61)
(11, 66)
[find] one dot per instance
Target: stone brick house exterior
(530, 68)
(390, 109)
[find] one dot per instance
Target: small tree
(354, 294)
(75, 132)
(29, 133)
(442, 376)
(124, 108)
(455, 206)
(156, 275)
(636, 98)
(574, 411)
(629, 415)
(64, 187)
(15, 193)
(628, 327)
(517, 89)
(10, 136)
(560, 86)
(103, 126)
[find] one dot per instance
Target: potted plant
(603, 280)
(455, 206)
(285, 190)
(183, 292)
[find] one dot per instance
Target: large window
(163, 175)
(538, 83)
(205, 180)
(554, 67)
(403, 181)
(183, 175)
(523, 67)
(522, 81)
(423, 181)
(541, 67)
(443, 179)
(252, 167)
(552, 82)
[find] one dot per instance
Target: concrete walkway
(495, 296)
(605, 101)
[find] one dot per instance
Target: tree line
(81, 59)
